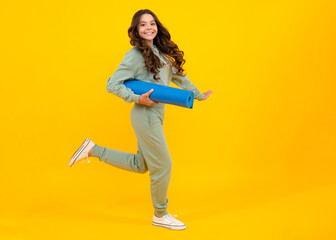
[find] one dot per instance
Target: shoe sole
(169, 226)
(78, 152)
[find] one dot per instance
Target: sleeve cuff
(200, 96)
(135, 98)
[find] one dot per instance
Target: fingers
(149, 92)
(207, 94)
(144, 99)
(150, 103)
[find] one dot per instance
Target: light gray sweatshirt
(133, 67)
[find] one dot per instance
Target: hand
(207, 94)
(145, 100)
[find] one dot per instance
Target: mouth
(149, 34)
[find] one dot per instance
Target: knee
(139, 164)
(164, 169)
(168, 165)
(142, 169)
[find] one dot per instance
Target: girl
(156, 59)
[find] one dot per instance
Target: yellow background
(254, 161)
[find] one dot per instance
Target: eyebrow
(145, 22)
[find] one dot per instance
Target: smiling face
(147, 28)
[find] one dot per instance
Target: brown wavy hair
(163, 43)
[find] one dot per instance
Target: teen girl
(156, 59)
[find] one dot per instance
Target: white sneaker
(82, 152)
(168, 221)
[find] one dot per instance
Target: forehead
(146, 18)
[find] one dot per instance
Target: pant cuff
(97, 151)
(160, 212)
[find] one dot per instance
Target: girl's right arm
(125, 71)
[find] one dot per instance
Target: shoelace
(173, 216)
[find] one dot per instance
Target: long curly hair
(161, 41)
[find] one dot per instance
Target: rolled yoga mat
(162, 94)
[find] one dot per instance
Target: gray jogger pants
(152, 154)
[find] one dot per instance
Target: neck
(150, 44)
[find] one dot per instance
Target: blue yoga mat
(162, 94)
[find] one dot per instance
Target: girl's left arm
(186, 84)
